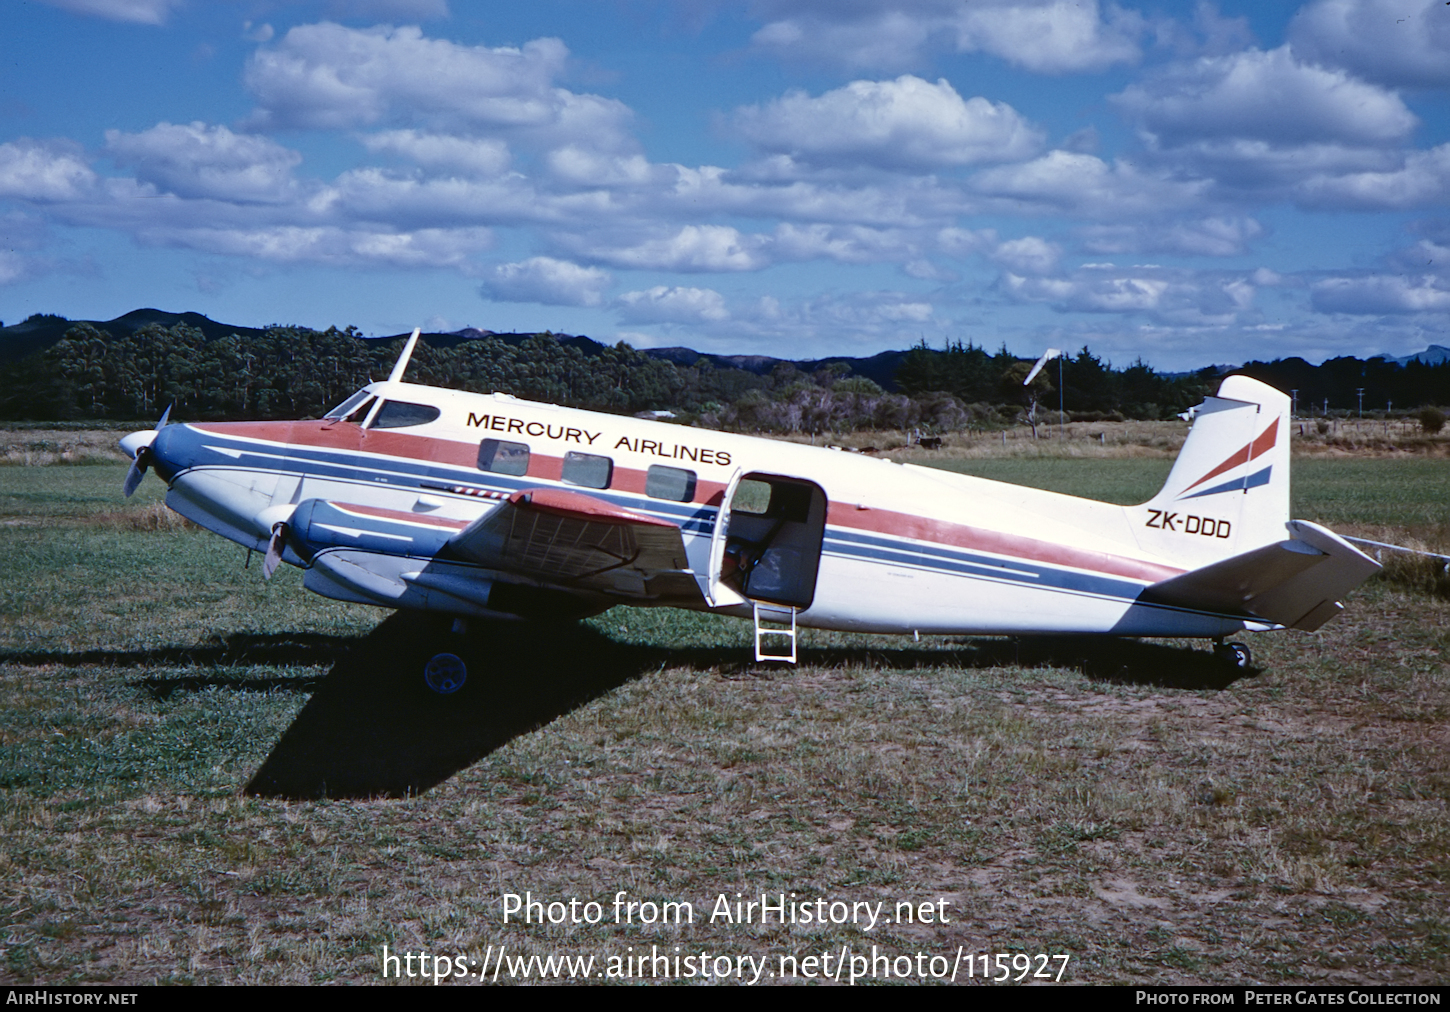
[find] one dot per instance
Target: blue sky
(1185, 183)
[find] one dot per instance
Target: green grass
(1125, 481)
(1289, 828)
(1405, 492)
(54, 493)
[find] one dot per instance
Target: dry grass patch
(47, 447)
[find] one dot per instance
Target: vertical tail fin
(1228, 492)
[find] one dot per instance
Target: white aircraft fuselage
(411, 496)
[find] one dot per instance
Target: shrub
(1432, 420)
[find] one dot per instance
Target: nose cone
(132, 444)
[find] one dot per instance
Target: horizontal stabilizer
(1295, 583)
(576, 541)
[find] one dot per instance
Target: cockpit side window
(346, 408)
(400, 414)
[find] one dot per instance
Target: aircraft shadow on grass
(373, 729)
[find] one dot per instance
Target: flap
(580, 542)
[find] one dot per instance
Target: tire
(1236, 655)
(445, 673)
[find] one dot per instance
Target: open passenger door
(767, 541)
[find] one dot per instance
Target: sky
(1181, 183)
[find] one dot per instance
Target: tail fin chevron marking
(1252, 451)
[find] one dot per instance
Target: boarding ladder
(774, 620)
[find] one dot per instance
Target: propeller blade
(273, 558)
(164, 415)
(137, 471)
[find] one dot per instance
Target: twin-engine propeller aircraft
(488, 506)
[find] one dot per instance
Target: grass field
(1128, 805)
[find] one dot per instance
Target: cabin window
(401, 414)
(751, 496)
(674, 483)
(587, 469)
(503, 458)
(346, 407)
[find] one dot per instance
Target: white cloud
(961, 242)
(906, 123)
(145, 12)
(1376, 294)
(1394, 42)
(581, 166)
(331, 245)
(692, 248)
(1046, 36)
(548, 281)
(196, 160)
(894, 203)
(471, 156)
(1030, 255)
(13, 267)
(326, 76)
(827, 324)
(375, 195)
(1214, 236)
(844, 244)
(1051, 38)
(1425, 256)
(1172, 296)
(43, 172)
(1267, 96)
(1422, 179)
(663, 304)
(1085, 185)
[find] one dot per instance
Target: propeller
(275, 544)
(141, 459)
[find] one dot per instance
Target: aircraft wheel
(445, 673)
(1235, 654)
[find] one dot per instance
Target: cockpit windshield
(346, 407)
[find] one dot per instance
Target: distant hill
(1436, 354)
(41, 331)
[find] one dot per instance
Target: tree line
(296, 372)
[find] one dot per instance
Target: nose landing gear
(445, 673)
(1235, 655)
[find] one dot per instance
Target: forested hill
(43, 330)
(132, 367)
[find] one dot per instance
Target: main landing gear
(1235, 655)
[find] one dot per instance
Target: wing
(577, 542)
(1294, 583)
